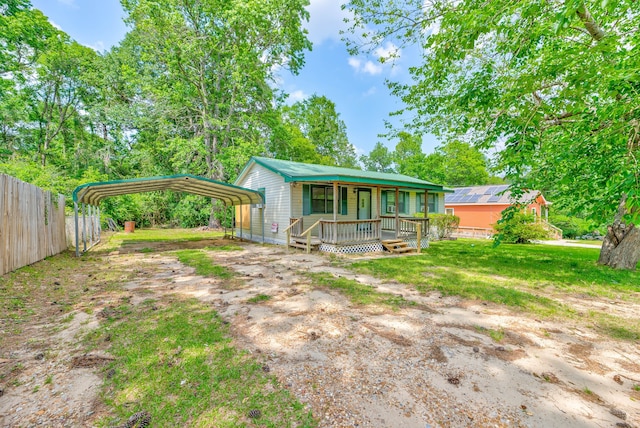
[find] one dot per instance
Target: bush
(443, 224)
(572, 227)
(516, 227)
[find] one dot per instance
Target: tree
(206, 67)
(552, 85)
(408, 155)
(379, 159)
(457, 164)
(318, 121)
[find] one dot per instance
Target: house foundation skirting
(366, 247)
(413, 243)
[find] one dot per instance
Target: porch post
(426, 204)
(397, 210)
(379, 204)
(335, 211)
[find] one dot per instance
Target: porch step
(315, 241)
(300, 242)
(397, 246)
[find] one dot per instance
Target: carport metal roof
(93, 193)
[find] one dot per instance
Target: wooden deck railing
(407, 225)
(294, 228)
(352, 231)
(412, 228)
(307, 233)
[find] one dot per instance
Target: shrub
(516, 227)
(443, 224)
(572, 227)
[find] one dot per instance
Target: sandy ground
(428, 366)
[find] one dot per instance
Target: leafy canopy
(552, 85)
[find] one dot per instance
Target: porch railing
(295, 226)
(407, 227)
(353, 231)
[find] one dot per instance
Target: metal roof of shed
(93, 193)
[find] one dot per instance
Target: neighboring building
(480, 207)
(350, 210)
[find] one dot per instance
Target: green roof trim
(93, 193)
(304, 172)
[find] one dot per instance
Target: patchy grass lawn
(532, 278)
(175, 361)
(173, 357)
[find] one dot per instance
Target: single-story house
(336, 209)
(480, 207)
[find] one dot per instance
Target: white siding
(352, 204)
(275, 210)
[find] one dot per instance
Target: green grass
(586, 241)
(224, 248)
(203, 264)
(118, 239)
(358, 293)
(530, 278)
(259, 298)
(178, 364)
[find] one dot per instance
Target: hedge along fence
(32, 224)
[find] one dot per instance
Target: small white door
(364, 204)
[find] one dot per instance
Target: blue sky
(354, 84)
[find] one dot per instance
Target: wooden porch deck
(397, 235)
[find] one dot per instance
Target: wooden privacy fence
(32, 224)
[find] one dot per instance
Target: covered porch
(346, 217)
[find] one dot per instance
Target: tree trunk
(621, 245)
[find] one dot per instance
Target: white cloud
(98, 46)
(355, 63)
(371, 91)
(371, 68)
(298, 95)
(368, 67)
(56, 26)
(325, 21)
(387, 51)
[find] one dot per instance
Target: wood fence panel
(32, 224)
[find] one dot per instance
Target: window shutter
(306, 199)
(344, 200)
(383, 198)
(418, 200)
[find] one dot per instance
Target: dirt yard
(428, 366)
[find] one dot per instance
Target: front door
(364, 204)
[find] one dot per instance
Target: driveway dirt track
(431, 365)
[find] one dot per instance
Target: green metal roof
(93, 193)
(298, 171)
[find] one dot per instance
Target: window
(389, 205)
(433, 202)
(448, 211)
(321, 200)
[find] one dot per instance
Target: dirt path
(372, 367)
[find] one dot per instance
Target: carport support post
(75, 211)
(84, 227)
(262, 221)
(241, 232)
(250, 222)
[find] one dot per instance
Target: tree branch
(590, 24)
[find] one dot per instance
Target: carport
(87, 197)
